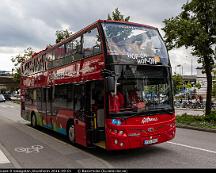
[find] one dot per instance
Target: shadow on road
(112, 156)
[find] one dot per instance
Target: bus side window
(77, 98)
(29, 100)
(77, 48)
(63, 97)
(91, 43)
(39, 98)
(59, 52)
(69, 98)
(44, 99)
(79, 102)
(69, 48)
(49, 100)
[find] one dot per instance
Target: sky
(33, 23)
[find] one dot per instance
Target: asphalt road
(24, 147)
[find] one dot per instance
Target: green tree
(177, 83)
(198, 85)
(117, 32)
(195, 27)
(188, 85)
(116, 15)
(18, 60)
(62, 34)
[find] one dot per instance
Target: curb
(189, 109)
(195, 128)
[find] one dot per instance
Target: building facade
(7, 82)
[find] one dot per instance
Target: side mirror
(110, 84)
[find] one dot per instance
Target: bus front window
(134, 44)
(148, 93)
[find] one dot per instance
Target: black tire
(71, 132)
(33, 120)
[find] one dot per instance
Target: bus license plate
(151, 141)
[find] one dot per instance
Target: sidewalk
(180, 111)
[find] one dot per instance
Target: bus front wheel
(71, 133)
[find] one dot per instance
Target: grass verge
(203, 122)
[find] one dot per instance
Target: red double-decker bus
(108, 85)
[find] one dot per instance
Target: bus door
(97, 105)
(80, 115)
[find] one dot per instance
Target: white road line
(3, 158)
(196, 148)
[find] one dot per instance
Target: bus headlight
(121, 132)
(172, 125)
(116, 141)
(121, 144)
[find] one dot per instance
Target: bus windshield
(141, 90)
(134, 44)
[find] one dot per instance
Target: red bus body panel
(80, 132)
(138, 129)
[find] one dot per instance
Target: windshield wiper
(159, 110)
(133, 115)
(151, 112)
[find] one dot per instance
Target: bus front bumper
(137, 140)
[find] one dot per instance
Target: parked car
(2, 98)
(7, 96)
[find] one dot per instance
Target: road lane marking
(27, 150)
(3, 158)
(196, 148)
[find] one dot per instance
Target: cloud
(26, 23)
(183, 57)
(6, 53)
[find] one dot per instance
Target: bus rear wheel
(33, 120)
(71, 133)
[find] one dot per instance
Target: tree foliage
(115, 32)
(195, 27)
(198, 85)
(62, 34)
(18, 60)
(177, 83)
(116, 15)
